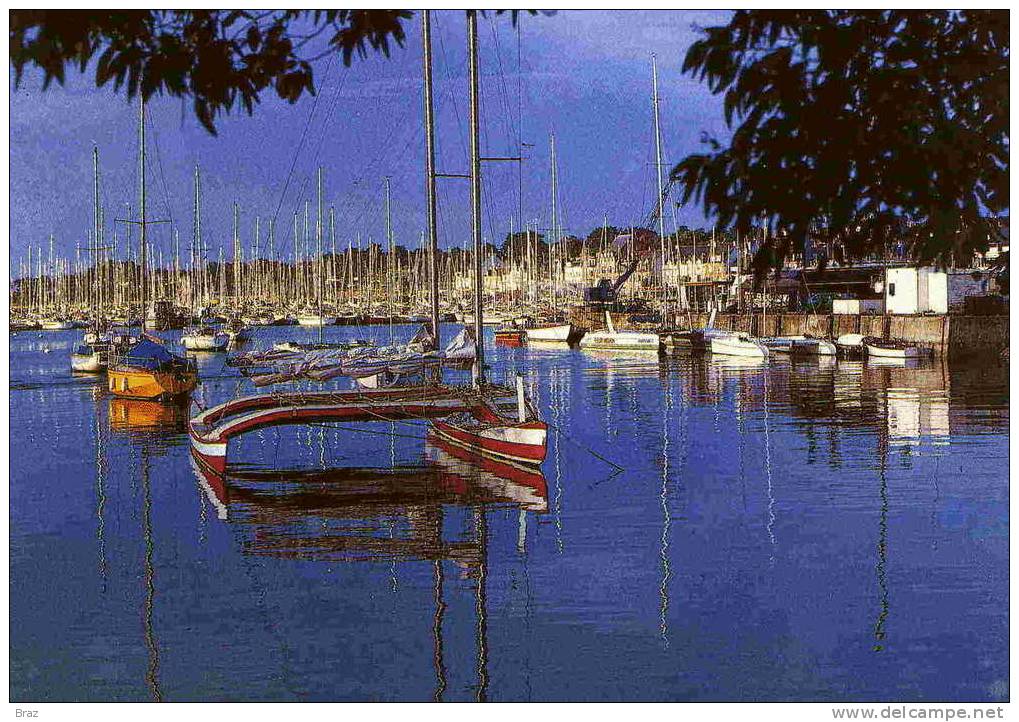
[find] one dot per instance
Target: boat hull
(813, 347)
(509, 338)
(203, 342)
(893, 353)
(316, 320)
(88, 363)
(729, 346)
(621, 341)
(561, 333)
(132, 383)
(522, 443)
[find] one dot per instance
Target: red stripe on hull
(213, 463)
(524, 453)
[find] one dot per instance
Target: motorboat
(850, 345)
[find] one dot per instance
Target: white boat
(55, 324)
(812, 347)
(878, 348)
(204, 338)
(314, 319)
(850, 344)
(92, 356)
(738, 344)
(611, 339)
(557, 332)
(782, 344)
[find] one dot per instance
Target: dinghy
(893, 348)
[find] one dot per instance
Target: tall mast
(389, 259)
(658, 167)
(237, 260)
(318, 242)
(433, 269)
(96, 221)
(554, 239)
(141, 174)
(472, 59)
(196, 239)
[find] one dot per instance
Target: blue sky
(585, 75)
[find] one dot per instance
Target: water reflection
(354, 514)
(745, 549)
(384, 514)
(132, 416)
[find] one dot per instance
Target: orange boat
(149, 371)
(509, 337)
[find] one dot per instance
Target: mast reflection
(390, 514)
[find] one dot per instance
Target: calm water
(807, 531)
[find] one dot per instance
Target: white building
(928, 290)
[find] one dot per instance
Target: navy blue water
(780, 531)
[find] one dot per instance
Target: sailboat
(201, 336)
(204, 337)
(313, 318)
(552, 330)
(738, 344)
(147, 369)
(482, 417)
(92, 354)
(490, 429)
(613, 340)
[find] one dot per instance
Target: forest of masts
(311, 266)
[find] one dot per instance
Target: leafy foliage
(863, 127)
(218, 58)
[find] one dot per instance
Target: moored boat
(611, 339)
(204, 338)
(148, 370)
(738, 344)
(510, 336)
(315, 319)
(561, 332)
(92, 354)
(812, 347)
(781, 344)
(850, 345)
(892, 348)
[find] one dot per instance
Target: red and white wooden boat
(211, 430)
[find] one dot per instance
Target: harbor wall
(952, 335)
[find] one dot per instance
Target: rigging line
(508, 114)
(300, 145)
(456, 108)
(159, 163)
(592, 452)
(346, 427)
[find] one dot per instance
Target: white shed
(915, 290)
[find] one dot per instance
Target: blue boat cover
(147, 354)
